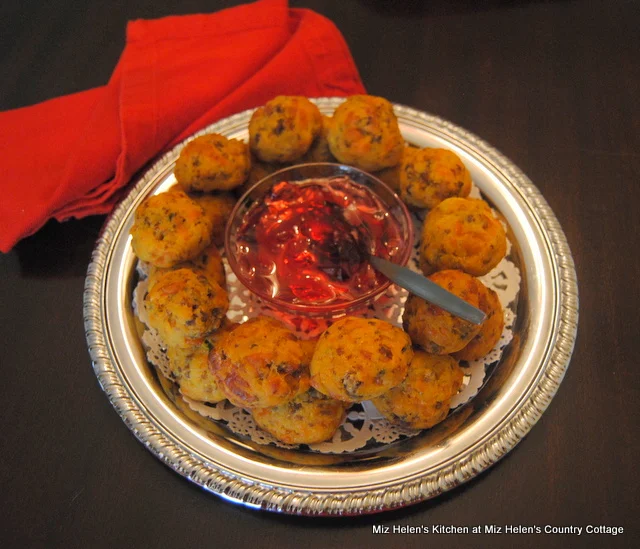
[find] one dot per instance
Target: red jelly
(309, 242)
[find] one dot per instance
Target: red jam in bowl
(309, 242)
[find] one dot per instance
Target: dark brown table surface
(555, 86)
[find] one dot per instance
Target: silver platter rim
(493, 427)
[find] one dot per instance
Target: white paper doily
(363, 425)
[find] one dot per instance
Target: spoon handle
(428, 290)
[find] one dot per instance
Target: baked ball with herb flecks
(169, 228)
(434, 329)
(212, 162)
(462, 233)
(184, 306)
(491, 330)
(391, 177)
(429, 176)
(207, 262)
(260, 364)
(190, 368)
(307, 419)
(319, 150)
(284, 128)
(360, 358)
(423, 399)
(364, 133)
(259, 170)
(218, 208)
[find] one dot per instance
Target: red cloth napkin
(72, 156)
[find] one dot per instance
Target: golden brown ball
(309, 347)
(259, 170)
(462, 233)
(391, 177)
(169, 228)
(208, 262)
(491, 330)
(360, 358)
(218, 208)
(319, 150)
(434, 329)
(429, 176)
(423, 399)
(260, 364)
(307, 419)
(284, 128)
(212, 162)
(184, 306)
(364, 133)
(190, 367)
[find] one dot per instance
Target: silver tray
(399, 474)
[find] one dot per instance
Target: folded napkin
(73, 156)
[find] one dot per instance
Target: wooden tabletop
(552, 85)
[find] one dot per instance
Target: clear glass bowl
(250, 275)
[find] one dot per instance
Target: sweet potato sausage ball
(260, 364)
(207, 262)
(434, 329)
(429, 176)
(462, 233)
(319, 150)
(309, 347)
(169, 228)
(307, 419)
(360, 358)
(259, 170)
(181, 356)
(284, 128)
(218, 208)
(364, 133)
(423, 399)
(391, 177)
(491, 330)
(211, 162)
(184, 306)
(190, 368)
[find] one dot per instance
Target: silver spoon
(428, 290)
